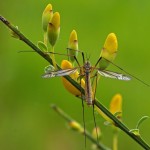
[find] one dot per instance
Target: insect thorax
(87, 66)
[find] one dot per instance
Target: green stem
(53, 58)
(122, 126)
(88, 135)
(115, 139)
(45, 38)
(118, 123)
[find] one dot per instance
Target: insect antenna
(88, 57)
(127, 72)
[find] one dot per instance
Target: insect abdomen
(88, 89)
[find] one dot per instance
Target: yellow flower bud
(116, 105)
(73, 90)
(96, 132)
(109, 50)
(13, 34)
(103, 115)
(111, 44)
(46, 16)
(73, 45)
(76, 126)
(54, 28)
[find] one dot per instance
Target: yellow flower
(73, 90)
(76, 126)
(54, 28)
(115, 107)
(73, 46)
(109, 50)
(96, 132)
(46, 16)
(111, 44)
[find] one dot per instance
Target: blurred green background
(26, 120)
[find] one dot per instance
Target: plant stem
(122, 126)
(118, 123)
(88, 135)
(53, 58)
(115, 139)
(45, 38)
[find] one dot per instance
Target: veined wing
(113, 75)
(59, 73)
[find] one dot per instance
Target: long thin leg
(82, 96)
(98, 61)
(46, 52)
(68, 54)
(95, 123)
(77, 61)
(83, 114)
(83, 58)
(82, 100)
(80, 52)
(74, 49)
(95, 85)
(93, 107)
(127, 73)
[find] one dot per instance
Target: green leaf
(117, 114)
(135, 132)
(49, 69)
(107, 123)
(141, 121)
(13, 34)
(42, 46)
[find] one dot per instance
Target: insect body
(88, 88)
(85, 72)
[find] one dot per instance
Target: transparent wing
(59, 73)
(114, 75)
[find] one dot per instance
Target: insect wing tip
(127, 78)
(46, 75)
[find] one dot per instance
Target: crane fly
(85, 71)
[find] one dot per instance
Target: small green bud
(42, 46)
(96, 133)
(135, 132)
(46, 16)
(49, 69)
(76, 126)
(53, 29)
(73, 46)
(13, 34)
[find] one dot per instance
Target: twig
(88, 135)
